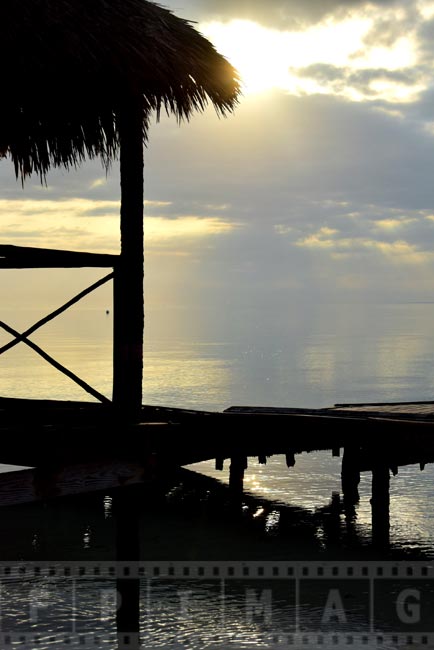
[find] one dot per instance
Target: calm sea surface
(304, 356)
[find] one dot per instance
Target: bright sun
(253, 50)
(269, 58)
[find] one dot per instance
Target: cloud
(274, 152)
(72, 224)
(394, 224)
(353, 54)
(281, 14)
(397, 252)
(76, 207)
(177, 234)
(298, 191)
(371, 85)
(99, 182)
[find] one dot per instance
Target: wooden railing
(18, 257)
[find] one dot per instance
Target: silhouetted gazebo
(80, 79)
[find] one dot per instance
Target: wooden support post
(219, 464)
(262, 459)
(350, 474)
(236, 475)
(380, 502)
(128, 280)
(290, 459)
(126, 510)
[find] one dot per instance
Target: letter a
(334, 608)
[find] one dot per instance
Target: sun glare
(257, 53)
(426, 9)
(268, 58)
(264, 57)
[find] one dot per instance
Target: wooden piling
(380, 503)
(290, 459)
(236, 476)
(350, 474)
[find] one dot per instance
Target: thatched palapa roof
(71, 67)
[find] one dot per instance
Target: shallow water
(303, 355)
(215, 574)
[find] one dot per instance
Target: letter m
(258, 605)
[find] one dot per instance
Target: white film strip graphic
(223, 604)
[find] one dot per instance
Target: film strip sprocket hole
(217, 569)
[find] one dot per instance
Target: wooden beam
(80, 382)
(56, 313)
(20, 257)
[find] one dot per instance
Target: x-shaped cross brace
(23, 338)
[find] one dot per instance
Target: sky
(319, 187)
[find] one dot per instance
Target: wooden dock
(42, 433)
(71, 448)
(37, 432)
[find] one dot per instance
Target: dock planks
(47, 433)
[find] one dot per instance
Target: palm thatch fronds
(71, 69)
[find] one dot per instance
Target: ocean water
(303, 356)
(306, 355)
